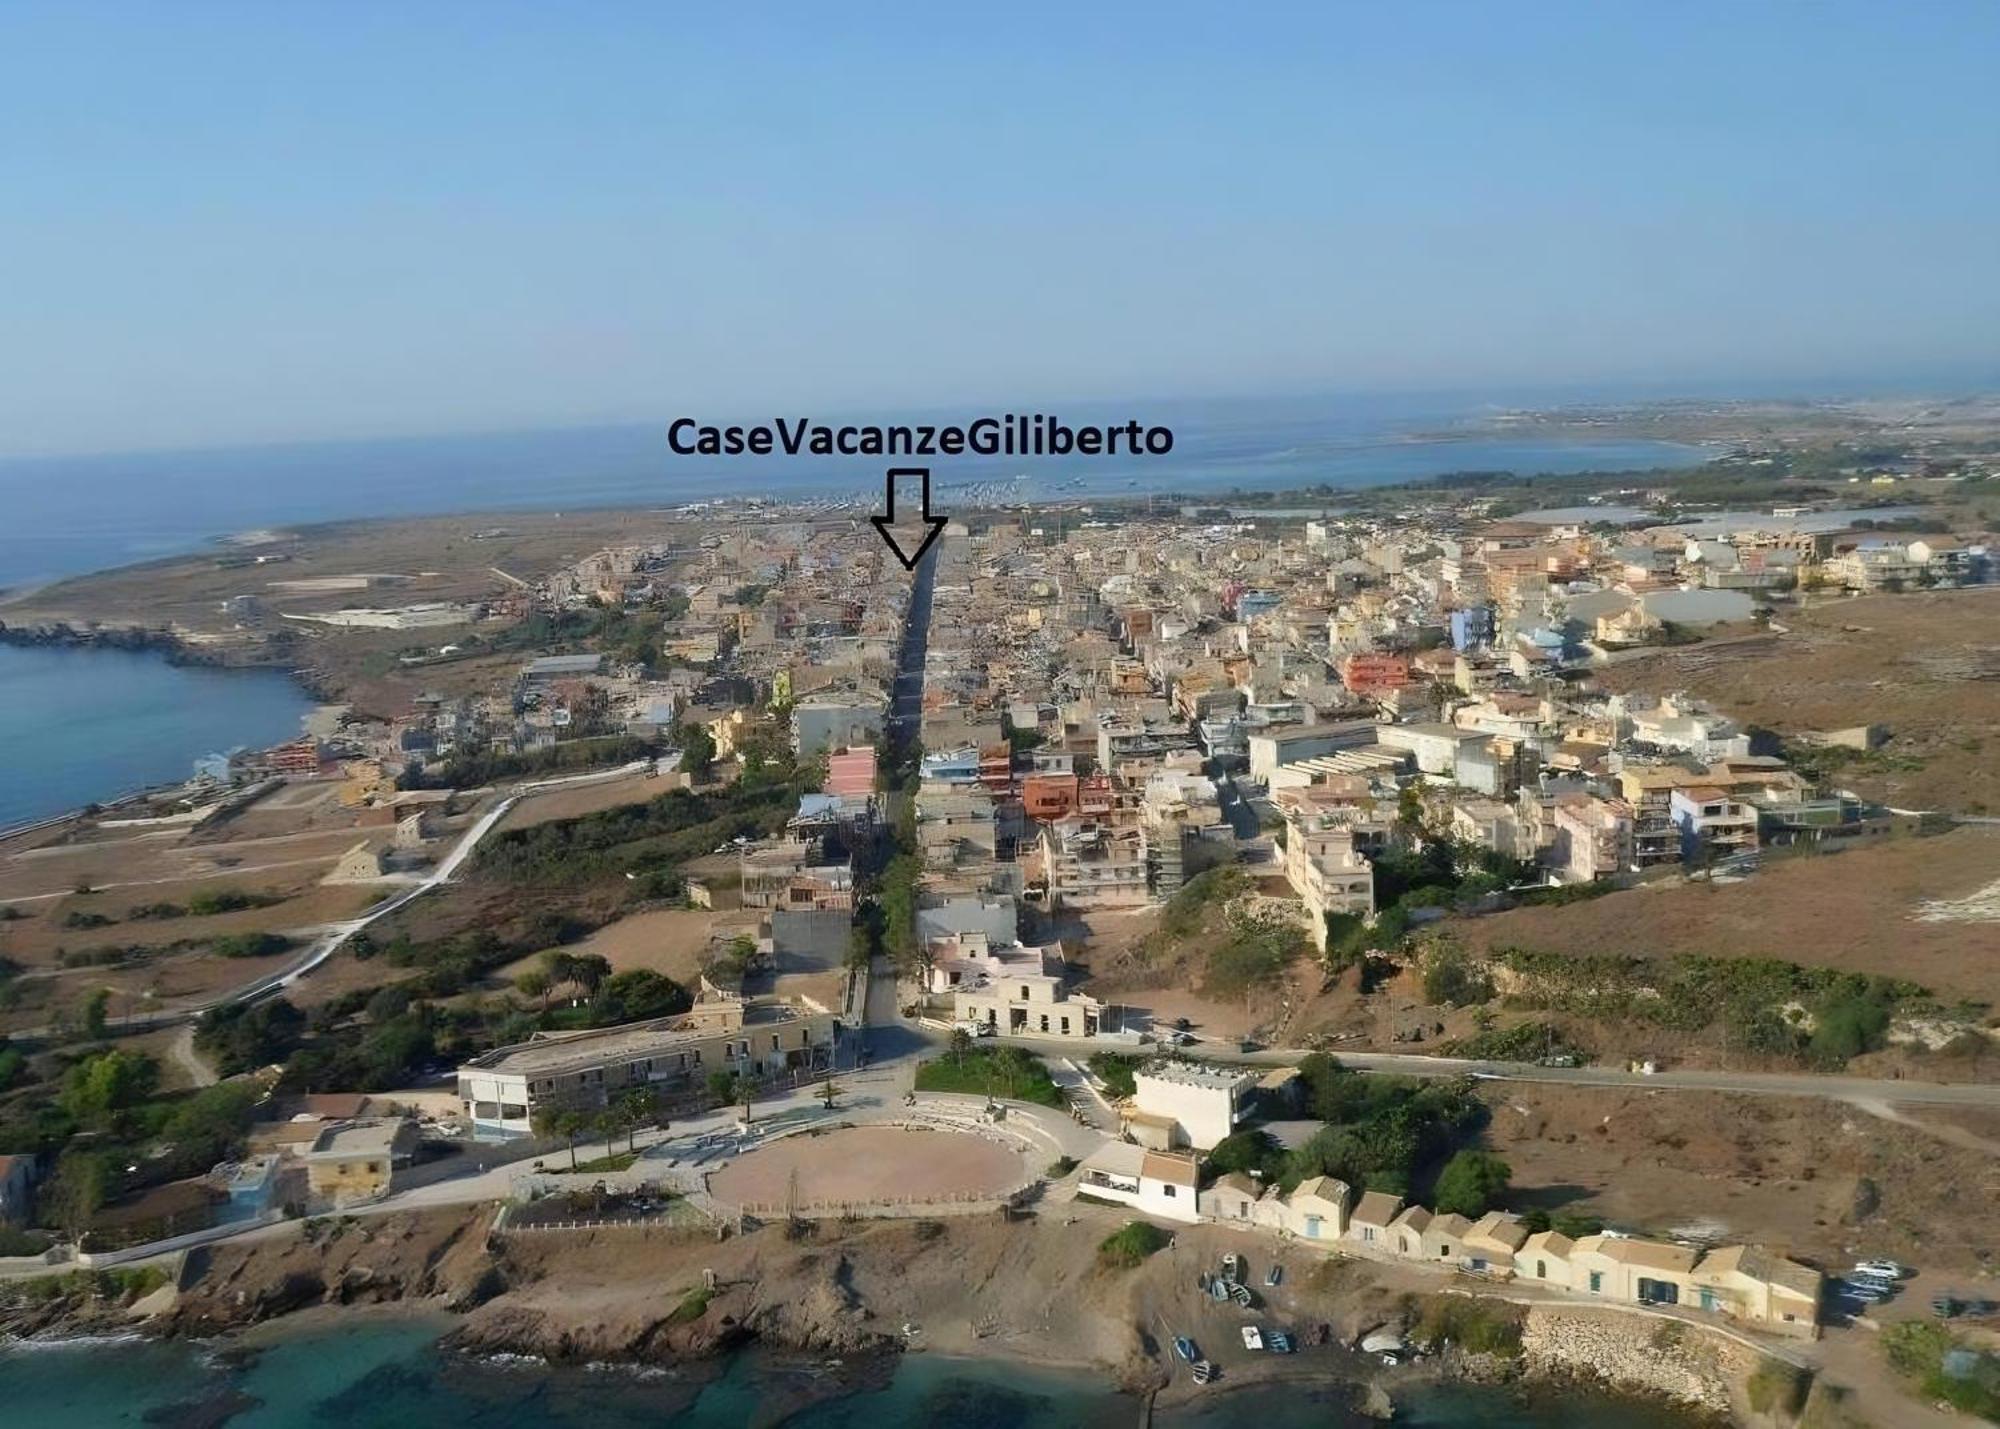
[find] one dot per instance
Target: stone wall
(1636, 1353)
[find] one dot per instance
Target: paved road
(329, 940)
(1765, 1084)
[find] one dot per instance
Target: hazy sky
(230, 223)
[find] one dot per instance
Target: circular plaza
(860, 1166)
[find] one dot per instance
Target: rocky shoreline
(861, 1297)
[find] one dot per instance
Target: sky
(239, 223)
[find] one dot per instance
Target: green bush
(1117, 1071)
(1943, 1366)
(249, 945)
(1126, 1249)
(1471, 1184)
(227, 900)
(692, 1307)
(991, 1071)
(1481, 1327)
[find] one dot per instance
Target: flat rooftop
(558, 1053)
(1197, 1074)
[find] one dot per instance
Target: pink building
(851, 771)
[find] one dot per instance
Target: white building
(1188, 1104)
(1155, 1183)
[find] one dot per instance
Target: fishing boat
(1242, 1296)
(1232, 1266)
(1274, 1275)
(1184, 1347)
(1203, 1371)
(1253, 1338)
(1218, 1291)
(1278, 1342)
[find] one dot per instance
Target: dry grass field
(1926, 665)
(1793, 1175)
(1862, 910)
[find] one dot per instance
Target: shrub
(1452, 979)
(995, 1071)
(249, 945)
(1480, 1327)
(692, 1307)
(1116, 1070)
(1126, 1249)
(1777, 1386)
(227, 900)
(1470, 1184)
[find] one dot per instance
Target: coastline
(852, 1307)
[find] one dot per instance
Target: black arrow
(886, 522)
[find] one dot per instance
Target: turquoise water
(381, 1373)
(86, 724)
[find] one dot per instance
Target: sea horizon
(79, 514)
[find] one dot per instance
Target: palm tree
(828, 1091)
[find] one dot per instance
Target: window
(1597, 1282)
(1368, 1232)
(1170, 1191)
(1541, 1270)
(1312, 1227)
(1444, 1252)
(1403, 1244)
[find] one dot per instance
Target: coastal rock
(1635, 1353)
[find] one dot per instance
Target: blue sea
(71, 515)
(78, 725)
(380, 1373)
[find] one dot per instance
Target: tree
(636, 1107)
(210, 1126)
(589, 971)
(558, 967)
(1252, 1150)
(1470, 1184)
(94, 1008)
(829, 1092)
(639, 993)
(100, 1090)
(240, 1036)
(722, 1085)
(697, 750)
(551, 1122)
(961, 1046)
(535, 983)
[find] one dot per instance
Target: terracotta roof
(1169, 1166)
(1377, 1208)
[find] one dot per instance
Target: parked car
(1885, 1269)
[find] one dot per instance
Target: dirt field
(584, 799)
(429, 558)
(667, 940)
(873, 1163)
(1793, 1175)
(1924, 664)
(1860, 910)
